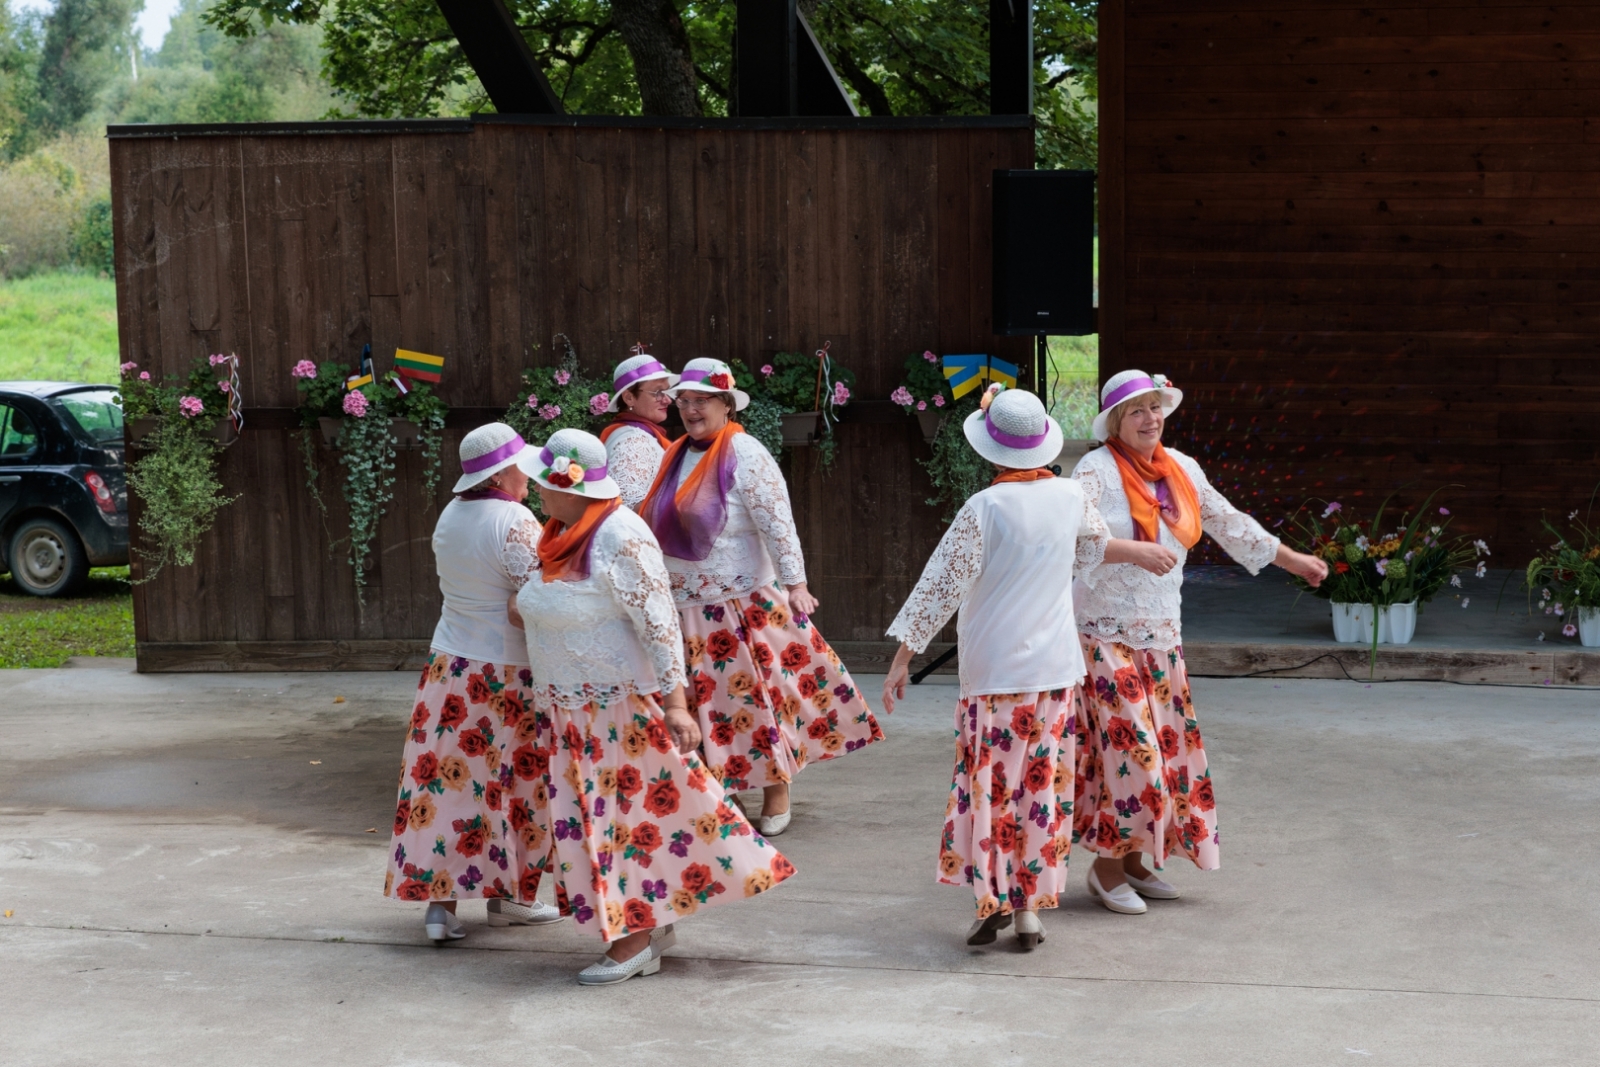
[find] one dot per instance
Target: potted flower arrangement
(1568, 580)
(809, 391)
(179, 429)
(558, 398)
(363, 424)
(1378, 580)
(924, 392)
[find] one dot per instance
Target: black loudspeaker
(1044, 252)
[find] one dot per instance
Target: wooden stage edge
(1206, 659)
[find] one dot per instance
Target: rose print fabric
(457, 833)
(1008, 825)
(643, 835)
(771, 695)
(1143, 785)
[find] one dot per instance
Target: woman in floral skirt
(453, 838)
(635, 440)
(1144, 787)
(1006, 564)
(771, 695)
(643, 836)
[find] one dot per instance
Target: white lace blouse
(1123, 603)
(484, 552)
(1006, 563)
(613, 633)
(759, 542)
(633, 456)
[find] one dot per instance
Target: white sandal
(609, 971)
(1030, 931)
(1122, 899)
(1153, 887)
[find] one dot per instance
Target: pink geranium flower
(217, 359)
(938, 401)
(126, 367)
(355, 403)
(930, 357)
(922, 405)
(304, 369)
(766, 370)
(144, 376)
(190, 406)
(550, 412)
(563, 377)
(902, 397)
(598, 403)
(841, 394)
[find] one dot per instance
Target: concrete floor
(1410, 877)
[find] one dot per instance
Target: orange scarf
(1181, 508)
(628, 418)
(1036, 474)
(564, 550)
(687, 521)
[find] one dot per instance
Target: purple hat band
(649, 370)
(1011, 440)
(1127, 389)
(694, 375)
(489, 459)
(590, 474)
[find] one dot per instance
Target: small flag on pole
(967, 372)
(362, 377)
(1003, 372)
(398, 380)
(418, 366)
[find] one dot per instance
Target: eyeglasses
(687, 401)
(652, 394)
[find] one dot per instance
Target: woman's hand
(801, 600)
(680, 724)
(512, 613)
(1155, 558)
(1312, 569)
(894, 686)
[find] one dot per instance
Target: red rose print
(1027, 881)
(472, 743)
(454, 713)
(402, 815)
(818, 645)
(637, 914)
(795, 655)
(737, 768)
(1006, 836)
(1107, 832)
(646, 837)
(722, 734)
(1202, 796)
(426, 769)
(761, 741)
(1191, 737)
(1168, 738)
(412, 889)
(721, 645)
(528, 885)
(1144, 673)
(818, 729)
(999, 791)
(755, 617)
(761, 652)
(1128, 685)
(528, 762)
(696, 877)
(1195, 829)
(420, 715)
(808, 686)
(1154, 801)
(478, 690)
(521, 815)
(1037, 777)
(697, 778)
(628, 781)
(661, 799)
(492, 796)
(781, 868)
(660, 739)
(1022, 721)
(471, 842)
(514, 709)
(1123, 736)
(704, 689)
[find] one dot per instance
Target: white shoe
(773, 825)
(663, 938)
(442, 926)
(1030, 931)
(983, 931)
(1153, 887)
(510, 913)
(1122, 899)
(609, 971)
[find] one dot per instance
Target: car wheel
(46, 558)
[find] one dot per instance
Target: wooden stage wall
(1366, 242)
(478, 241)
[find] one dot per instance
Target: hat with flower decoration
(575, 462)
(1125, 385)
(710, 376)
(1012, 428)
(490, 449)
(635, 369)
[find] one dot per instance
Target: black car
(63, 496)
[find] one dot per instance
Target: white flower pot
(1589, 627)
(1351, 623)
(1397, 624)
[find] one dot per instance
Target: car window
(18, 439)
(97, 412)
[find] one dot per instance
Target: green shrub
(91, 239)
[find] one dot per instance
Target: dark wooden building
(1366, 241)
(480, 240)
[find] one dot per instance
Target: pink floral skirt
(454, 837)
(643, 836)
(1143, 785)
(771, 695)
(1008, 825)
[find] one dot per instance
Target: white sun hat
(575, 462)
(710, 376)
(489, 449)
(1013, 429)
(635, 369)
(1125, 385)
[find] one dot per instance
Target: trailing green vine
(366, 451)
(956, 470)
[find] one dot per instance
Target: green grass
(59, 327)
(1075, 376)
(40, 632)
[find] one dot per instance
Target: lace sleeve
(633, 461)
(1093, 536)
(638, 577)
(951, 572)
(517, 554)
(1241, 536)
(765, 494)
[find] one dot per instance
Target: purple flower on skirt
(654, 891)
(525, 676)
(506, 776)
(400, 854)
(680, 844)
(802, 618)
(497, 856)
(715, 613)
(966, 872)
(844, 693)
(470, 880)
(1128, 808)
(1072, 725)
(1103, 689)
(581, 911)
(603, 857)
(457, 665)
(568, 829)
(1017, 897)
(999, 738)
(851, 746)
(963, 801)
(1039, 814)
(1016, 794)
(599, 807)
(739, 632)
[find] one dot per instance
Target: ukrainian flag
(418, 365)
(966, 372)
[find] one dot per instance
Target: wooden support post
(765, 54)
(500, 56)
(819, 90)
(1011, 57)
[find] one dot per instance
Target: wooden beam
(819, 91)
(766, 49)
(1011, 57)
(500, 56)
(1113, 190)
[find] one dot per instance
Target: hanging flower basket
(806, 392)
(930, 420)
(800, 428)
(136, 430)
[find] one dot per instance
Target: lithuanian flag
(418, 365)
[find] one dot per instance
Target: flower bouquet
(558, 398)
(1378, 580)
(1568, 580)
(925, 392)
(808, 392)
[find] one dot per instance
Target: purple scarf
(687, 520)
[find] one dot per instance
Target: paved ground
(1410, 878)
